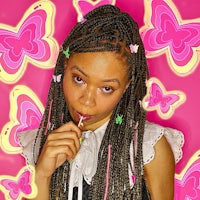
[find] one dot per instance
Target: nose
(88, 97)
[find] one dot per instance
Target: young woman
(94, 141)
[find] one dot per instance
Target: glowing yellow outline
(78, 10)
(192, 160)
(178, 70)
(32, 183)
(157, 107)
(14, 94)
(50, 9)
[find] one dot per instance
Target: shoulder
(159, 172)
(153, 136)
(30, 145)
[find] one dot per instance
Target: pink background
(29, 90)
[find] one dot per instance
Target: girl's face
(93, 84)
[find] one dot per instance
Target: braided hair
(105, 28)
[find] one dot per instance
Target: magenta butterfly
(189, 184)
(158, 98)
(180, 40)
(26, 113)
(31, 41)
(85, 6)
(16, 187)
(26, 42)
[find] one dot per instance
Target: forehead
(105, 63)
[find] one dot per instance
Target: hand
(61, 145)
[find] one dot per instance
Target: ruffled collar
(85, 163)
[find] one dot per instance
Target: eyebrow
(105, 80)
(80, 70)
(112, 80)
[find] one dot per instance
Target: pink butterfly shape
(166, 33)
(84, 6)
(22, 185)
(26, 113)
(26, 42)
(188, 186)
(158, 99)
(30, 41)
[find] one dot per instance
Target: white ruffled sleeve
(153, 134)
(27, 142)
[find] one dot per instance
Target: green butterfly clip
(66, 52)
(119, 119)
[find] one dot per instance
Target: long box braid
(105, 29)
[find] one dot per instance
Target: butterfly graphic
(158, 99)
(187, 183)
(30, 41)
(22, 185)
(26, 113)
(166, 32)
(57, 78)
(84, 6)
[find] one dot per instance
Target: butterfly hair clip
(66, 52)
(134, 48)
(57, 78)
(119, 119)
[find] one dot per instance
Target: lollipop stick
(80, 124)
(80, 121)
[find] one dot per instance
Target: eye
(78, 79)
(107, 89)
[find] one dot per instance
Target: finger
(70, 126)
(52, 152)
(63, 138)
(53, 157)
(72, 143)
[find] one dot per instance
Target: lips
(85, 116)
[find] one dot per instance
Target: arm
(159, 173)
(61, 145)
(42, 183)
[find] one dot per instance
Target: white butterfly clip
(57, 78)
(134, 48)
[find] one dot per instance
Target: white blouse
(85, 162)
